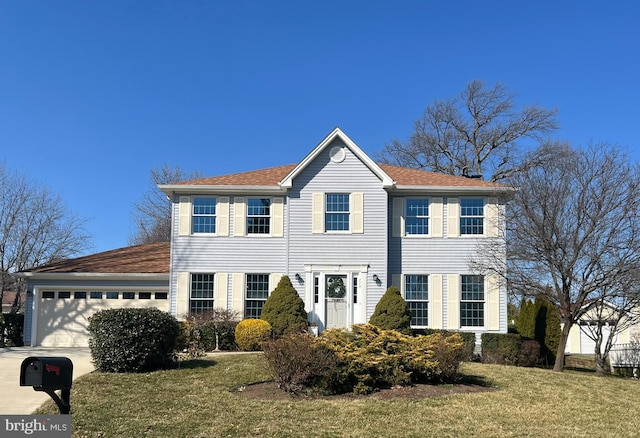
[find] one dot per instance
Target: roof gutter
(181, 189)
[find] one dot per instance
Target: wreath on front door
(335, 288)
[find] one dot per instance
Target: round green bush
(284, 310)
(132, 340)
(251, 333)
(392, 312)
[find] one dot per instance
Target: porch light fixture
(298, 277)
(376, 278)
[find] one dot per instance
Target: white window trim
(246, 217)
(428, 300)
(405, 217)
(484, 310)
(484, 217)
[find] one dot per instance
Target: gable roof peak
(337, 133)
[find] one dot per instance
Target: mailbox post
(49, 374)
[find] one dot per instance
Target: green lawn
(196, 401)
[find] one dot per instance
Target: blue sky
(95, 94)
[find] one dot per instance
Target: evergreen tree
(284, 310)
(392, 312)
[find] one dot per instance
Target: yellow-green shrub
(251, 333)
(369, 357)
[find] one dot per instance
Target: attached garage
(62, 296)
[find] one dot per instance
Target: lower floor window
(256, 293)
(416, 292)
(472, 301)
(201, 297)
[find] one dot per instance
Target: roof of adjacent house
(9, 296)
(402, 176)
(151, 258)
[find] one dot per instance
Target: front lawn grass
(199, 400)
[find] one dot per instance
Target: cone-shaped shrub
(284, 310)
(392, 312)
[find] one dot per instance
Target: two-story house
(342, 227)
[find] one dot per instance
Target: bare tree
(573, 232)
(478, 133)
(35, 228)
(152, 214)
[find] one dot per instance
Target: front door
(336, 306)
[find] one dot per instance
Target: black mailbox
(46, 373)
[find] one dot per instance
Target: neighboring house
(580, 336)
(9, 298)
(342, 227)
(62, 296)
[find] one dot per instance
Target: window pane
(472, 301)
(417, 295)
(471, 216)
(112, 295)
(204, 211)
(95, 295)
(79, 295)
(128, 295)
(64, 294)
(258, 215)
(337, 212)
(201, 292)
(257, 291)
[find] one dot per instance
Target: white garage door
(588, 345)
(63, 315)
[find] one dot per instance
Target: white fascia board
(171, 190)
(387, 182)
(90, 276)
(452, 190)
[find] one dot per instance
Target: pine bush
(392, 312)
(284, 310)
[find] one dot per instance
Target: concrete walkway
(23, 400)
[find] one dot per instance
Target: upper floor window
(416, 293)
(258, 216)
(472, 301)
(337, 212)
(201, 296)
(416, 216)
(256, 294)
(204, 215)
(472, 216)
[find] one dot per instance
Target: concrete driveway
(23, 400)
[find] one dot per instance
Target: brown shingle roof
(263, 177)
(403, 176)
(151, 258)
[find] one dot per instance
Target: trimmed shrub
(468, 339)
(392, 312)
(284, 310)
(132, 340)
(251, 333)
(501, 348)
(526, 322)
(297, 362)
(548, 330)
